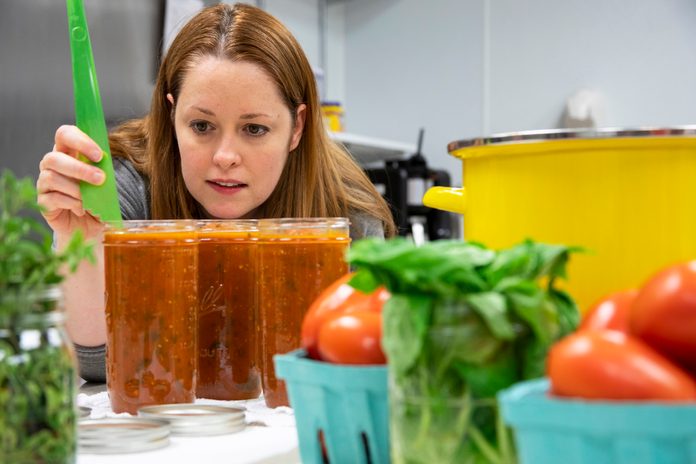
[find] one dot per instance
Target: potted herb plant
(37, 369)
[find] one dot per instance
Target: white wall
(412, 64)
(471, 68)
(640, 56)
(336, 52)
(301, 17)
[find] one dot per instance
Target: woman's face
(234, 133)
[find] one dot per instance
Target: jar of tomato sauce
(298, 258)
(227, 359)
(151, 313)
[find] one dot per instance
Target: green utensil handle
(101, 200)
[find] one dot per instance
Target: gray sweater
(134, 196)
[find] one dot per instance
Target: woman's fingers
(51, 181)
(56, 192)
(56, 165)
(58, 184)
(55, 203)
(71, 140)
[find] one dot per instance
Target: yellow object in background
(333, 115)
(629, 199)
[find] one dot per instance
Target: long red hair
(320, 178)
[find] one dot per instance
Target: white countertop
(269, 438)
(255, 444)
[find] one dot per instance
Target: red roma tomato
(611, 365)
(611, 312)
(338, 298)
(664, 313)
(353, 338)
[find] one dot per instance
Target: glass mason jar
(433, 415)
(227, 360)
(427, 429)
(151, 271)
(298, 258)
(37, 380)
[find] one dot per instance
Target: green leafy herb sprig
(37, 372)
(28, 262)
(463, 323)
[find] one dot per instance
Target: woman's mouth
(226, 186)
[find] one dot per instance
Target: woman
(235, 131)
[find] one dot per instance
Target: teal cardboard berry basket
(346, 404)
(572, 431)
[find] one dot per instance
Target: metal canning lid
(209, 429)
(559, 134)
(197, 419)
(122, 435)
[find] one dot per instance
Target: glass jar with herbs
(37, 380)
(463, 323)
(37, 369)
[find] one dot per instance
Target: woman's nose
(226, 155)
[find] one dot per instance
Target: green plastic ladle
(100, 200)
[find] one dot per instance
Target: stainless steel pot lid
(559, 134)
(197, 419)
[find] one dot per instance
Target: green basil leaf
(532, 357)
(568, 313)
(492, 307)
(459, 334)
(442, 269)
(529, 303)
(364, 281)
(499, 372)
(405, 320)
(509, 263)
(551, 260)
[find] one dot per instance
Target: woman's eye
(200, 127)
(256, 130)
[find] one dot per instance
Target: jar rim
(30, 320)
(150, 225)
(227, 224)
(301, 223)
(51, 292)
(48, 293)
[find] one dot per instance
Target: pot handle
(446, 198)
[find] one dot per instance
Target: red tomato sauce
(295, 266)
(227, 364)
(151, 316)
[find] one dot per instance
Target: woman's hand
(58, 185)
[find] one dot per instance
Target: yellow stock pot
(628, 196)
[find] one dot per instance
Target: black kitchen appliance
(397, 179)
